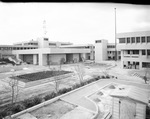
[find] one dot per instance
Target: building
(105, 51)
(135, 49)
(43, 52)
(129, 102)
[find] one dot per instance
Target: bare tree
(14, 89)
(80, 72)
(49, 61)
(57, 83)
(62, 61)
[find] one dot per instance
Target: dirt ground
(53, 111)
(24, 93)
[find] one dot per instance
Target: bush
(50, 96)
(28, 103)
(3, 114)
(31, 102)
(107, 76)
(17, 108)
(68, 89)
(37, 100)
(62, 91)
(103, 77)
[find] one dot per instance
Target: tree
(62, 61)
(49, 61)
(57, 83)
(80, 72)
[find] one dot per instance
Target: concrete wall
(55, 58)
(43, 43)
(76, 56)
(101, 51)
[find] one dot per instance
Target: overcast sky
(78, 23)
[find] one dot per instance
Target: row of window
(111, 46)
(143, 39)
(15, 48)
(137, 52)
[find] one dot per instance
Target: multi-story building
(42, 51)
(135, 49)
(105, 51)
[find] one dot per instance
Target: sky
(78, 23)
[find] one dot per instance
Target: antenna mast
(44, 27)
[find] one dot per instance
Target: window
(128, 51)
(98, 41)
(46, 39)
(133, 40)
(128, 40)
(121, 40)
(143, 52)
(145, 64)
(148, 52)
(135, 51)
(137, 39)
(148, 39)
(143, 39)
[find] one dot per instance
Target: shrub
(62, 91)
(50, 96)
(68, 89)
(3, 114)
(31, 102)
(108, 76)
(28, 103)
(37, 100)
(103, 77)
(17, 108)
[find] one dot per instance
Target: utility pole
(115, 38)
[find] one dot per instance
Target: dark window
(143, 39)
(143, 52)
(128, 51)
(46, 39)
(128, 40)
(148, 39)
(145, 64)
(121, 40)
(135, 51)
(148, 52)
(98, 41)
(133, 40)
(137, 39)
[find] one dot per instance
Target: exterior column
(40, 59)
(140, 65)
(17, 56)
(35, 59)
(122, 53)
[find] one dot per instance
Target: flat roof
(133, 34)
(132, 92)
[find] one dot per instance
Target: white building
(50, 52)
(105, 51)
(135, 49)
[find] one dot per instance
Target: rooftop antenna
(44, 27)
